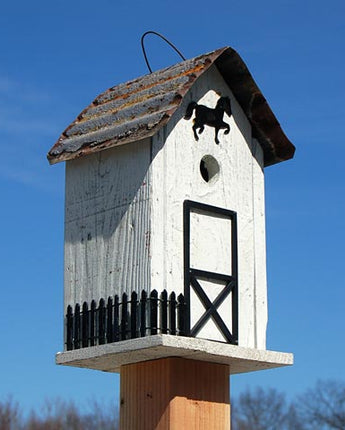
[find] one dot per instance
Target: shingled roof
(138, 109)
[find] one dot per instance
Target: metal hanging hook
(162, 37)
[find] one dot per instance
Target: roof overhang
(137, 109)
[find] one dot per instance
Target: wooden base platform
(110, 357)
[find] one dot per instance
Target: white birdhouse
(164, 212)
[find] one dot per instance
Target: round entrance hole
(209, 168)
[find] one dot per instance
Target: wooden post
(174, 394)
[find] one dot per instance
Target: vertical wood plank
(174, 394)
(108, 196)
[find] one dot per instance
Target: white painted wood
(110, 357)
(260, 281)
(124, 215)
(176, 177)
(107, 223)
(210, 232)
(210, 330)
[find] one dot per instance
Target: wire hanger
(162, 37)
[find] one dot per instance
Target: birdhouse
(164, 251)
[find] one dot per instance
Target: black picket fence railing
(116, 320)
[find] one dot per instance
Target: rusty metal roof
(138, 109)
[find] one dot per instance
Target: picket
(76, 328)
(93, 329)
(153, 312)
(172, 313)
(69, 328)
(124, 316)
(143, 302)
(164, 312)
(116, 328)
(115, 320)
(134, 308)
(101, 322)
(85, 326)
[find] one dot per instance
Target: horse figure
(207, 116)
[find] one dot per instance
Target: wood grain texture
(174, 394)
(124, 215)
(260, 278)
(176, 177)
(107, 224)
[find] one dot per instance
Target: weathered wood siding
(259, 239)
(124, 216)
(107, 223)
(239, 187)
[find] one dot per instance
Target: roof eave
(266, 129)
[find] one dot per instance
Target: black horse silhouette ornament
(211, 117)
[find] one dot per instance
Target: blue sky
(55, 57)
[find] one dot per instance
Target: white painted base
(110, 357)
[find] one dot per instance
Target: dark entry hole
(209, 168)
